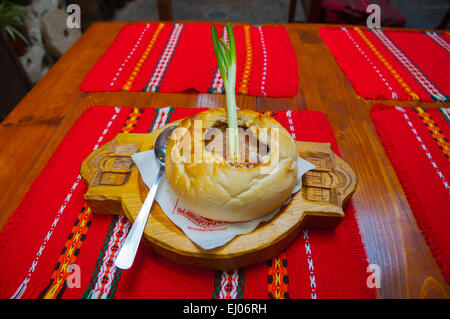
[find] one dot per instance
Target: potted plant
(12, 22)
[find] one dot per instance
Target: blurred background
(34, 33)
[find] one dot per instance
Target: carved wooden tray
(115, 187)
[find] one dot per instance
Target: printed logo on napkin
(201, 223)
(206, 233)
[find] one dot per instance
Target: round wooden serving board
(115, 187)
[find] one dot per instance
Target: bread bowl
(209, 183)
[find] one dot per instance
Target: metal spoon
(129, 248)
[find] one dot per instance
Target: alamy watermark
(374, 19)
(255, 147)
(374, 279)
(73, 21)
(74, 279)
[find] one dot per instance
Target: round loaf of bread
(201, 173)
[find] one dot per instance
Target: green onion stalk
(226, 62)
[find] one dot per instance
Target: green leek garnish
(226, 62)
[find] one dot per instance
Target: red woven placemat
(53, 229)
(416, 142)
(392, 65)
(169, 57)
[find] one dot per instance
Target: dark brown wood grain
(33, 130)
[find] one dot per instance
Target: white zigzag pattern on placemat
(107, 271)
(23, 286)
(424, 148)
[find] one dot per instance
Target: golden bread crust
(215, 189)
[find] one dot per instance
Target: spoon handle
(128, 251)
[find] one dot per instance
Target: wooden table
(30, 134)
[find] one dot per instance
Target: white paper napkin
(206, 233)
